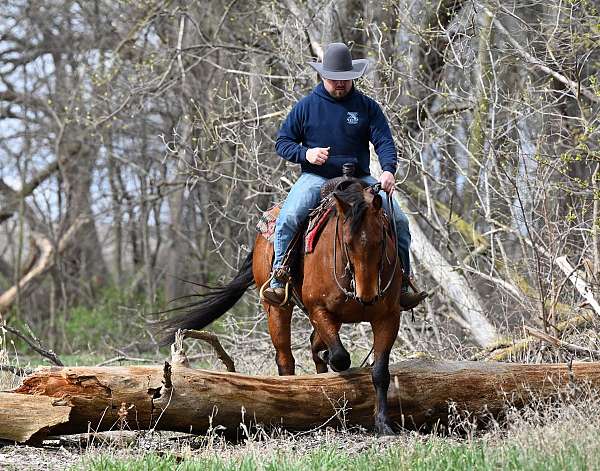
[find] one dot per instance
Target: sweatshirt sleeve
(291, 135)
(381, 137)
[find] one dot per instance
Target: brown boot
(274, 296)
(410, 300)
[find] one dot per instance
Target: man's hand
(318, 155)
(387, 181)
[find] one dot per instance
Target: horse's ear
(377, 201)
(342, 206)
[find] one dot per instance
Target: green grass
(431, 455)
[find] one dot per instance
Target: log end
(29, 419)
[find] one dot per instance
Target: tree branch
(178, 354)
(575, 87)
(32, 343)
(43, 264)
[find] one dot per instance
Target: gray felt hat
(338, 64)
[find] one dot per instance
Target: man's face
(337, 88)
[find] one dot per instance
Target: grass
(433, 454)
(547, 435)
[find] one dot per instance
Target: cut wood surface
(24, 418)
(190, 400)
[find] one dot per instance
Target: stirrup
(416, 299)
(280, 274)
(410, 282)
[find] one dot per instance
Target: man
(332, 126)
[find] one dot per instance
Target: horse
(351, 276)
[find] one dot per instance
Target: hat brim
(359, 67)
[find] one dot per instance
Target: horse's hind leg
(318, 348)
(328, 331)
(280, 319)
(385, 331)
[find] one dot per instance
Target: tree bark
(81, 399)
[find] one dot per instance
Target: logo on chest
(352, 117)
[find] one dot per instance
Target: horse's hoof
(324, 355)
(340, 363)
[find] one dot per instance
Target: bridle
(349, 269)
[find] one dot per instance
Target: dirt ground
(77, 451)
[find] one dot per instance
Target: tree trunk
(42, 264)
(187, 400)
(83, 261)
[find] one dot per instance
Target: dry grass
(545, 435)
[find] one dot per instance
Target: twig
(560, 343)
(574, 86)
(251, 119)
(243, 72)
(16, 370)
(213, 340)
(49, 354)
(124, 358)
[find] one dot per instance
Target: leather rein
(349, 269)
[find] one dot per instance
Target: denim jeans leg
(304, 196)
(402, 227)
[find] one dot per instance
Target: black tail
(216, 302)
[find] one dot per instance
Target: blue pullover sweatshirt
(346, 125)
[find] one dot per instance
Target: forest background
(137, 151)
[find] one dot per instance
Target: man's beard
(339, 93)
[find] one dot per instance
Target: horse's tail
(216, 302)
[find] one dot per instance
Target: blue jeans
(304, 196)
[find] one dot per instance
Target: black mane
(353, 196)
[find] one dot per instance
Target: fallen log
(188, 400)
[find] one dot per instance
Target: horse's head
(362, 239)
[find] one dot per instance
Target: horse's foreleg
(280, 319)
(385, 331)
(328, 331)
(317, 346)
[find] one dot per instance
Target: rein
(350, 267)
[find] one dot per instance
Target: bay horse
(352, 275)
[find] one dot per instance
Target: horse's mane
(353, 196)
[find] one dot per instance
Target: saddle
(317, 218)
(316, 222)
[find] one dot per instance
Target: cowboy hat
(338, 64)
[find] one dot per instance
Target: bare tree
(154, 123)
